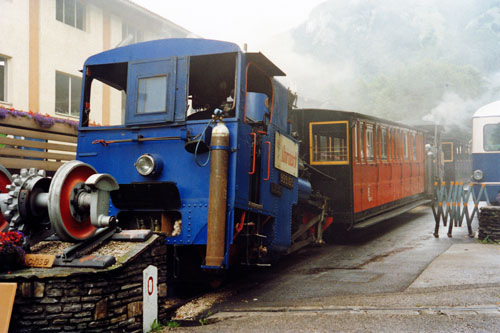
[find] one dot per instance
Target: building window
(136, 35)
(68, 94)
(3, 79)
(71, 12)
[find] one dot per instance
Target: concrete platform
(461, 265)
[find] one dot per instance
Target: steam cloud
(372, 57)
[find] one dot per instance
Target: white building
(44, 43)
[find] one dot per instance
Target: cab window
(491, 137)
(212, 80)
(152, 94)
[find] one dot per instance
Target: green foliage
(204, 321)
(410, 92)
(173, 324)
(487, 240)
(156, 326)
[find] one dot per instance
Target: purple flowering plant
(11, 250)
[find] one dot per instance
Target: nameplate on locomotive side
(286, 180)
(286, 155)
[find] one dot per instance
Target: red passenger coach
(371, 169)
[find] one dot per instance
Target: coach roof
(489, 110)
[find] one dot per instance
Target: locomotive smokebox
(217, 196)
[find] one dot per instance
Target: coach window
(404, 140)
(362, 141)
(355, 142)
(383, 144)
(414, 142)
(447, 148)
(329, 142)
(398, 144)
(394, 153)
(389, 144)
(369, 143)
(359, 147)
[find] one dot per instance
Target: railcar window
(491, 137)
(393, 145)
(369, 143)
(355, 139)
(383, 144)
(362, 138)
(406, 146)
(414, 143)
(152, 94)
(395, 141)
(330, 143)
(447, 148)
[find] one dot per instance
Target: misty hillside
(400, 59)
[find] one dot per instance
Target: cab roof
(176, 47)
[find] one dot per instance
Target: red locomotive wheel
(66, 178)
(5, 179)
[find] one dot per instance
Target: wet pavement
(394, 277)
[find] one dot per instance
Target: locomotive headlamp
(148, 164)
(478, 175)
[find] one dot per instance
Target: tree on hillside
(410, 92)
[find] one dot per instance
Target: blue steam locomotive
(201, 151)
(204, 151)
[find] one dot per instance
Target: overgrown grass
(488, 240)
(156, 326)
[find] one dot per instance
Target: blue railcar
(157, 146)
(486, 149)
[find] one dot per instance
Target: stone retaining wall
(107, 300)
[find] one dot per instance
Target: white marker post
(149, 297)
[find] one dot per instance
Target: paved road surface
(398, 277)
